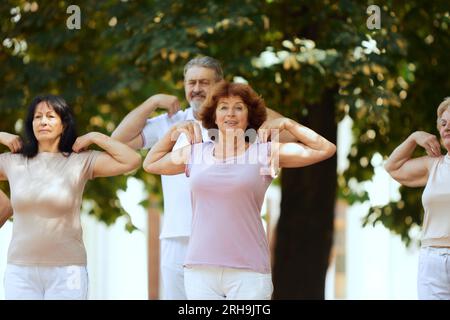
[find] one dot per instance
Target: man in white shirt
(136, 130)
(200, 74)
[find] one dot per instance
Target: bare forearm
(309, 138)
(134, 122)
(401, 154)
(285, 135)
(3, 136)
(161, 148)
(117, 150)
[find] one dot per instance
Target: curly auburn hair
(257, 113)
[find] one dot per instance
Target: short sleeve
(5, 162)
(157, 127)
(88, 159)
(150, 133)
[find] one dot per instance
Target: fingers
(192, 130)
(263, 134)
(75, 146)
(433, 147)
(274, 135)
(270, 129)
(261, 131)
(15, 145)
(430, 143)
(20, 144)
(173, 105)
(197, 133)
(79, 145)
(186, 132)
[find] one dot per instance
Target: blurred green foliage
(291, 52)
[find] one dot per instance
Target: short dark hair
(69, 135)
(257, 112)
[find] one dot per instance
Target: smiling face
(197, 83)
(47, 124)
(444, 128)
(231, 113)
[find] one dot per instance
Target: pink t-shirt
(227, 196)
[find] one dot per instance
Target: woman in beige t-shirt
(47, 174)
(433, 172)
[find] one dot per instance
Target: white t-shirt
(177, 218)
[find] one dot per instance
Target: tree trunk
(304, 233)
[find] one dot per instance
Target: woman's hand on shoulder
(84, 141)
(12, 141)
(429, 142)
(272, 129)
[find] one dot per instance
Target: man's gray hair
(205, 62)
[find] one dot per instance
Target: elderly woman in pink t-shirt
(433, 172)
(47, 174)
(228, 253)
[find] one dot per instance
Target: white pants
(217, 283)
(45, 283)
(433, 281)
(173, 253)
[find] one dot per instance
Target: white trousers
(173, 253)
(218, 283)
(433, 281)
(46, 283)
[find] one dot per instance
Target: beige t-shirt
(46, 196)
(436, 202)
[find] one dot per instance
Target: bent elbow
(149, 167)
(136, 162)
(388, 167)
(132, 164)
(116, 136)
(8, 211)
(331, 150)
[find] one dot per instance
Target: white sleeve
(153, 130)
(157, 127)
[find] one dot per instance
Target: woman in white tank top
(433, 172)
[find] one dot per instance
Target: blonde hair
(445, 105)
